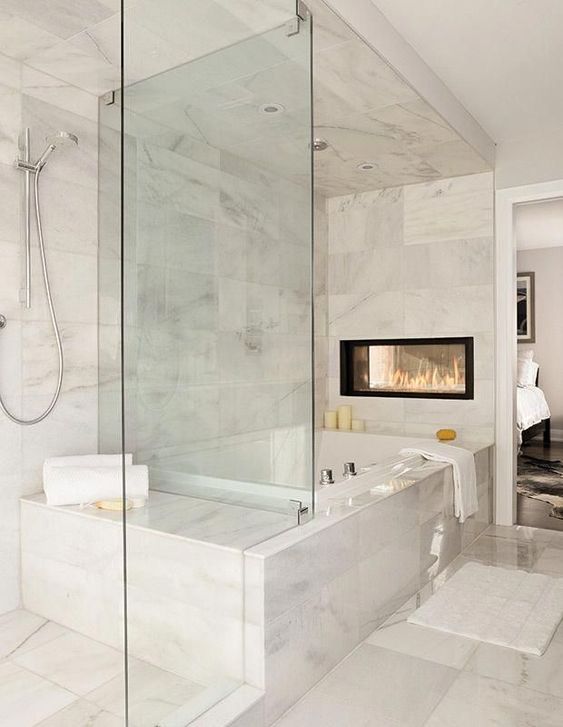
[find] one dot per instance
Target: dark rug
(542, 479)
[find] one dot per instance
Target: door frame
(506, 346)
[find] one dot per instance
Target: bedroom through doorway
(538, 230)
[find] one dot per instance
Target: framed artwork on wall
(525, 308)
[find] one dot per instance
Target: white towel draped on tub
(465, 475)
(89, 478)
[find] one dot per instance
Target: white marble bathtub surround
(415, 261)
(313, 593)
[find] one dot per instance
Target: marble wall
(28, 358)
(313, 593)
(415, 261)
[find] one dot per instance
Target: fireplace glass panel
(441, 368)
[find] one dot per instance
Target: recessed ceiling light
(320, 144)
(271, 108)
(366, 166)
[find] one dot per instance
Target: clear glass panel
(217, 343)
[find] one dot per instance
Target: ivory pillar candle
(344, 417)
(330, 420)
(358, 425)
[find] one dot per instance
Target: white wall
(529, 160)
(547, 264)
(416, 261)
(28, 358)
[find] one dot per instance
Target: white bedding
(531, 408)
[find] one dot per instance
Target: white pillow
(526, 355)
(527, 372)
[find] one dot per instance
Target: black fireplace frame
(347, 369)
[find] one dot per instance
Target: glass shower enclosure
(206, 341)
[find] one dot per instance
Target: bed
(532, 413)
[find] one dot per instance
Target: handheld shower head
(58, 138)
(61, 138)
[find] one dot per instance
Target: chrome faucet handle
(326, 478)
(349, 469)
(3, 321)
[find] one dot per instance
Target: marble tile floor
(51, 676)
(214, 522)
(404, 675)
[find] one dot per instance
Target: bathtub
(381, 469)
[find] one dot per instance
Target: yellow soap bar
(446, 435)
(113, 504)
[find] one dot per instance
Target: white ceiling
(539, 224)
(503, 59)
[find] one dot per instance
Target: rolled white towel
(87, 460)
(83, 485)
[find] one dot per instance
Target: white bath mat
(509, 608)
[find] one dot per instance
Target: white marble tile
(355, 316)
(10, 122)
(10, 72)
(453, 157)
(520, 532)
(82, 714)
(542, 674)
(374, 686)
(20, 38)
(475, 700)
(302, 570)
(197, 644)
(67, 18)
(57, 661)
(550, 561)
(449, 264)
(40, 358)
(54, 436)
(429, 644)
(366, 220)
(363, 272)
(450, 209)
(351, 77)
(387, 578)
(505, 553)
(21, 631)
(153, 694)
(75, 296)
(26, 699)
(431, 312)
(303, 644)
(10, 192)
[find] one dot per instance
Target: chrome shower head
(58, 138)
(61, 138)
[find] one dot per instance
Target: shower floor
(208, 521)
(51, 676)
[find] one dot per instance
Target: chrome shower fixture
(59, 138)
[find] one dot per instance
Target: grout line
(26, 639)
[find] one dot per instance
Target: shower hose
(49, 409)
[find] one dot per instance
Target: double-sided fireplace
(436, 368)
